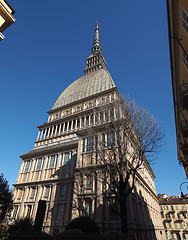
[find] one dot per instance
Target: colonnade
(92, 119)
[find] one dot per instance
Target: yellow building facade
(178, 41)
(174, 215)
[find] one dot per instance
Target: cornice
(44, 182)
(40, 151)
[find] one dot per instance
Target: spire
(96, 44)
(96, 59)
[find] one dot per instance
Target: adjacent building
(178, 42)
(174, 212)
(6, 17)
(50, 171)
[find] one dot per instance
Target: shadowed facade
(49, 171)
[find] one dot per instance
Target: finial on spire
(96, 60)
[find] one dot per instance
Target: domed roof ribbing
(88, 85)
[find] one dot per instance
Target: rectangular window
(96, 142)
(88, 208)
(185, 21)
(114, 208)
(66, 158)
(88, 182)
(185, 60)
(62, 191)
(59, 214)
(83, 148)
(38, 165)
(47, 190)
(28, 211)
(110, 139)
(90, 144)
(32, 193)
(19, 194)
(27, 166)
(103, 141)
(52, 161)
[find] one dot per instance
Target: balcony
(180, 219)
(170, 211)
(182, 210)
(184, 95)
(167, 219)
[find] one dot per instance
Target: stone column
(85, 147)
(89, 120)
(110, 97)
(109, 115)
(68, 126)
(48, 131)
(76, 124)
(94, 118)
(45, 132)
(99, 116)
(85, 119)
(56, 129)
(38, 134)
(52, 133)
(72, 124)
(114, 113)
(120, 112)
(60, 127)
(63, 127)
(80, 122)
(41, 134)
(104, 117)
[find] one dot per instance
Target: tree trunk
(123, 215)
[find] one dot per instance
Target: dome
(86, 86)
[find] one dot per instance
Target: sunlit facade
(174, 215)
(178, 41)
(48, 171)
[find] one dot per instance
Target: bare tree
(123, 142)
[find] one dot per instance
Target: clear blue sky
(46, 50)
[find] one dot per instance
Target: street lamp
(182, 195)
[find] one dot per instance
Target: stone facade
(49, 171)
(178, 41)
(174, 215)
